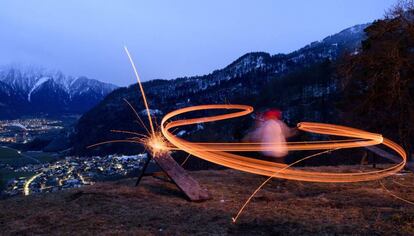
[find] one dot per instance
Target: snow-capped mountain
(300, 83)
(30, 91)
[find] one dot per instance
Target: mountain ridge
(244, 81)
(34, 91)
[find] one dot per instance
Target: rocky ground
(157, 207)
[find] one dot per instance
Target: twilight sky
(167, 39)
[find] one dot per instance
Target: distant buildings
(73, 172)
(25, 130)
(70, 172)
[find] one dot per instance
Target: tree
(379, 80)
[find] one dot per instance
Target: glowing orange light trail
(394, 195)
(142, 90)
(219, 153)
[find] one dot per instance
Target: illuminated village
(72, 172)
(23, 130)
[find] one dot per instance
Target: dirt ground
(157, 207)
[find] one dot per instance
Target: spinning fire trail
(219, 152)
(163, 141)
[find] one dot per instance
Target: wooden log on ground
(189, 186)
(390, 157)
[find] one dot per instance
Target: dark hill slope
(158, 208)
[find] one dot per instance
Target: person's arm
(293, 131)
(289, 132)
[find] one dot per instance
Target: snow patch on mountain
(38, 83)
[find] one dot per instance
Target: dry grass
(157, 207)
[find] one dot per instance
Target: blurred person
(271, 130)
